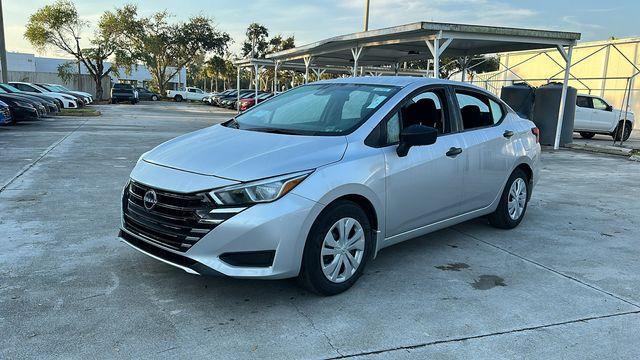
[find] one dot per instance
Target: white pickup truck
(189, 93)
(595, 116)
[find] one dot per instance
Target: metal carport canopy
(429, 40)
(411, 42)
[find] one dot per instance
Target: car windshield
(39, 88)
(47, 87)
(320, 109)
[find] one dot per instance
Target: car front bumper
(279, 229)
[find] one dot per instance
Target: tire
(133, 102)
(587, 135)
(617, 133)
(178, 98)
(312, 275)
(503, 218)
(113, 101)
(154, 98)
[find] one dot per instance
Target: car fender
(338, 180)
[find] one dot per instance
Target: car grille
(176, 221)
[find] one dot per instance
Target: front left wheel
(337, 249)
(513, 202)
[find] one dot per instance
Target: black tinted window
(583, 102)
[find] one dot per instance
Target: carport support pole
(307, 63)
(276, 65)
(238, 90)
(563, 98)
(257, 79)
(434, 48)
(356, 52)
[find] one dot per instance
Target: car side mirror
(609, 108)
(415, 135)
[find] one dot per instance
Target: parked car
(13, 90)
(314, 182)
(213, 99)
(21, 108)
(189, 93)
(124, 92)
(146, 94)
(232, 103)
(246, 103)
(50, 104)
(5, 114)
(86, 98)
(595, 116)
(68, 101)
(230, 97)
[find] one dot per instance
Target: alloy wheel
(517, 198)
(342, 250)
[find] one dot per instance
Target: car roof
(401, 81)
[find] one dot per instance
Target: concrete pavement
(563, 285)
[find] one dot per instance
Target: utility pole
(366, 15)
(3, 49)
(79, 72)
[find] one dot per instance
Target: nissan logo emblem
(150, 199)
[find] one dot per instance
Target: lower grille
(176, 221)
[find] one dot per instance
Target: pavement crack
(481, 336)
(42, 155)
(557, 272)
(314, 327)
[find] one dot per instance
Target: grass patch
(79, 112)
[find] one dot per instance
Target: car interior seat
(423, 112)
(472, 117)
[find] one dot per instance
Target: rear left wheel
(513, 202)
(338, 246)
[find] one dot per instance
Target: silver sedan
(315, 181)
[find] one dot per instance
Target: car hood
(243, 155)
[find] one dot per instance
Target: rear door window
(478, 110)
(584, 102)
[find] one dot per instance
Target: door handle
(508, 134)
(454, 151)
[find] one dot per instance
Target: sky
(311, 21)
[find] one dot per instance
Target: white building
(23, 66)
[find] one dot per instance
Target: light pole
(3, 49)
(79, 72)
(366, 15)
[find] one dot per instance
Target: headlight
(258, 191)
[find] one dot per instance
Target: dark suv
(123, 92)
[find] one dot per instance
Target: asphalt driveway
(564, 285)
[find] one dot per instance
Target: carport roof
(409, 42)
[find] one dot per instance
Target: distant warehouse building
(31, 68)
(604, 68)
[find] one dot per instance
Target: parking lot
(562, 285)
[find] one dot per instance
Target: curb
(630, 154)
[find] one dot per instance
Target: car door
(486, 143)
(604, 118)
(422, 187)
(584, 112)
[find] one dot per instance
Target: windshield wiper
(275, 131)
(232, 124)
